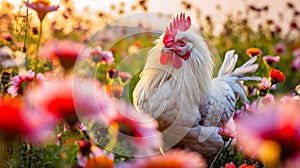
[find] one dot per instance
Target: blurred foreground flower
(13, 121)
(253, 52)
(174, 158)
(90, 156)
(296, 64)
(66, 51)
(276, 76)
(42, 7)
(68, 100)
(138, 128)
(271, 135)
(296, 53)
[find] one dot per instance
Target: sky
(207, 7)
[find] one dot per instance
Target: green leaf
(133, 82)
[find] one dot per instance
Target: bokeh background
(270, 26)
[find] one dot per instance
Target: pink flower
(66, 51)
(296, 53)
(251, 107)
(272, 134)
(268, 99)
(271, 59)
(296, 64)
(23, 77)
(105, 57)
(280, 49)
(7, 36)
(226, 134)
(138, 128)
(42, 7)
(124, 76)
(265, 83)
(71, 100)
(174, 158)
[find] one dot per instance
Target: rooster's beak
(169, 49)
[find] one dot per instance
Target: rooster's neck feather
(193, 79)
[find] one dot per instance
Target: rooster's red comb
(179, 23)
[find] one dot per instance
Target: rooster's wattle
(177, 87)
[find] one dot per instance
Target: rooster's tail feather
(234, 77)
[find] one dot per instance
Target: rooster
(177, 87)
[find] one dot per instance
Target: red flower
(253, 52)
(246, 166)
(276, 76)
(70, 99)
(230, 165)
(12, 119)
(65, 51)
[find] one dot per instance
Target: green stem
(231, 139)
(39, 39)
(36, 61)
(113, 141)
(25, 39)
(215, 158)
(62, 135)
(81, 134)
(258, 101)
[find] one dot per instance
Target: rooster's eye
(181, 43)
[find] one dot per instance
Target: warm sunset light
(149, 83)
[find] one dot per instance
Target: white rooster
(176, 86)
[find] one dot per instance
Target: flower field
(67, 79)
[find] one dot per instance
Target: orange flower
(96, 157)
(246, 166)
(232, 165)
(42, 7)
(173, 159)
(253, 52)
(100, 161)
(276, 76)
